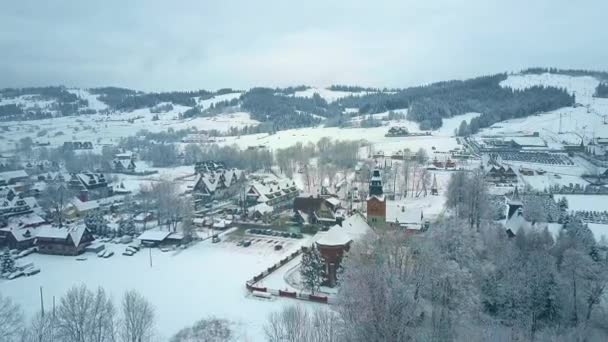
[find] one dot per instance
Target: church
(387, 214)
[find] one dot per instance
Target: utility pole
(41, 303)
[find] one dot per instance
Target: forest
(128, 100)
(601, 90)
(285, 112)
(429, 104)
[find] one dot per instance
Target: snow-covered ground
(585, 202)
(328, 95)
(582, 121)
(184, 286)
(108, 129)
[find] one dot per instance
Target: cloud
(156, 45)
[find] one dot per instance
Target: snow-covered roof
(352, 228)
(154, 235)
(335, 236)
(333, 201)
(85, 206)
(25, 220)
(9, 175)
(49, 232)
(262, 208)
(75, 232)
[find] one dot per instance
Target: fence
(251, 287)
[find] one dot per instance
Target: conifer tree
(312, 270)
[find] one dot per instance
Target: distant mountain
(303, 106)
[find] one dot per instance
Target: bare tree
(83, 316)
(209, 330)
(138, 318)
(41, 329)
(55, 199)
(11, 320)
(289, 325)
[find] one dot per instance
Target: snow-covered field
(582, 121)
(108, 129)
(328, 95)
(441, 139)
(184, 286)
(585, 202)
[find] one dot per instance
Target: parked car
(129, 248)
(102, 253)
(215, 239)
(27, 252)
(31, 271)
(246, 243)
(278, 247)
(164, 249)
(128, 253)
(108, 254)
(16, 274)
(135, 247)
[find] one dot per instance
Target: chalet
(397, 132)
(63, 241)
(123, 165)
(89, 185)
(17, 238)
(316, 210)
(77, 145)
(209, 166)
(260, 211)
(78, 208)
(12, 177)
(277, 193)
(501, 175)
(16, 206)
(217, 184)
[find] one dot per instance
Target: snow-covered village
(465, 210)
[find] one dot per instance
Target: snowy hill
(327, 94)
(587, 119)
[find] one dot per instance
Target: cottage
(501, 175)
(63, 241)
(89, 186)
(12, 177)
(316, 210)
(215, 184)
(277, 193)
(17, 238)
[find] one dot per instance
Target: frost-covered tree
(209, 329)
(84, 316)
(8, 262)
(312, 269)
(138, 318)
(11, 320)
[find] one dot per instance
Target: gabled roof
(154, 235)
(75, 232)
(352, 229)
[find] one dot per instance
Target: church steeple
(375, 183)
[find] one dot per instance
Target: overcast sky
(163, 45)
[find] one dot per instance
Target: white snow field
(328, 95)
(184, 285)
(585, 120)
(585, 202)
(108, 129)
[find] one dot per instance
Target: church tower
(376, 203)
